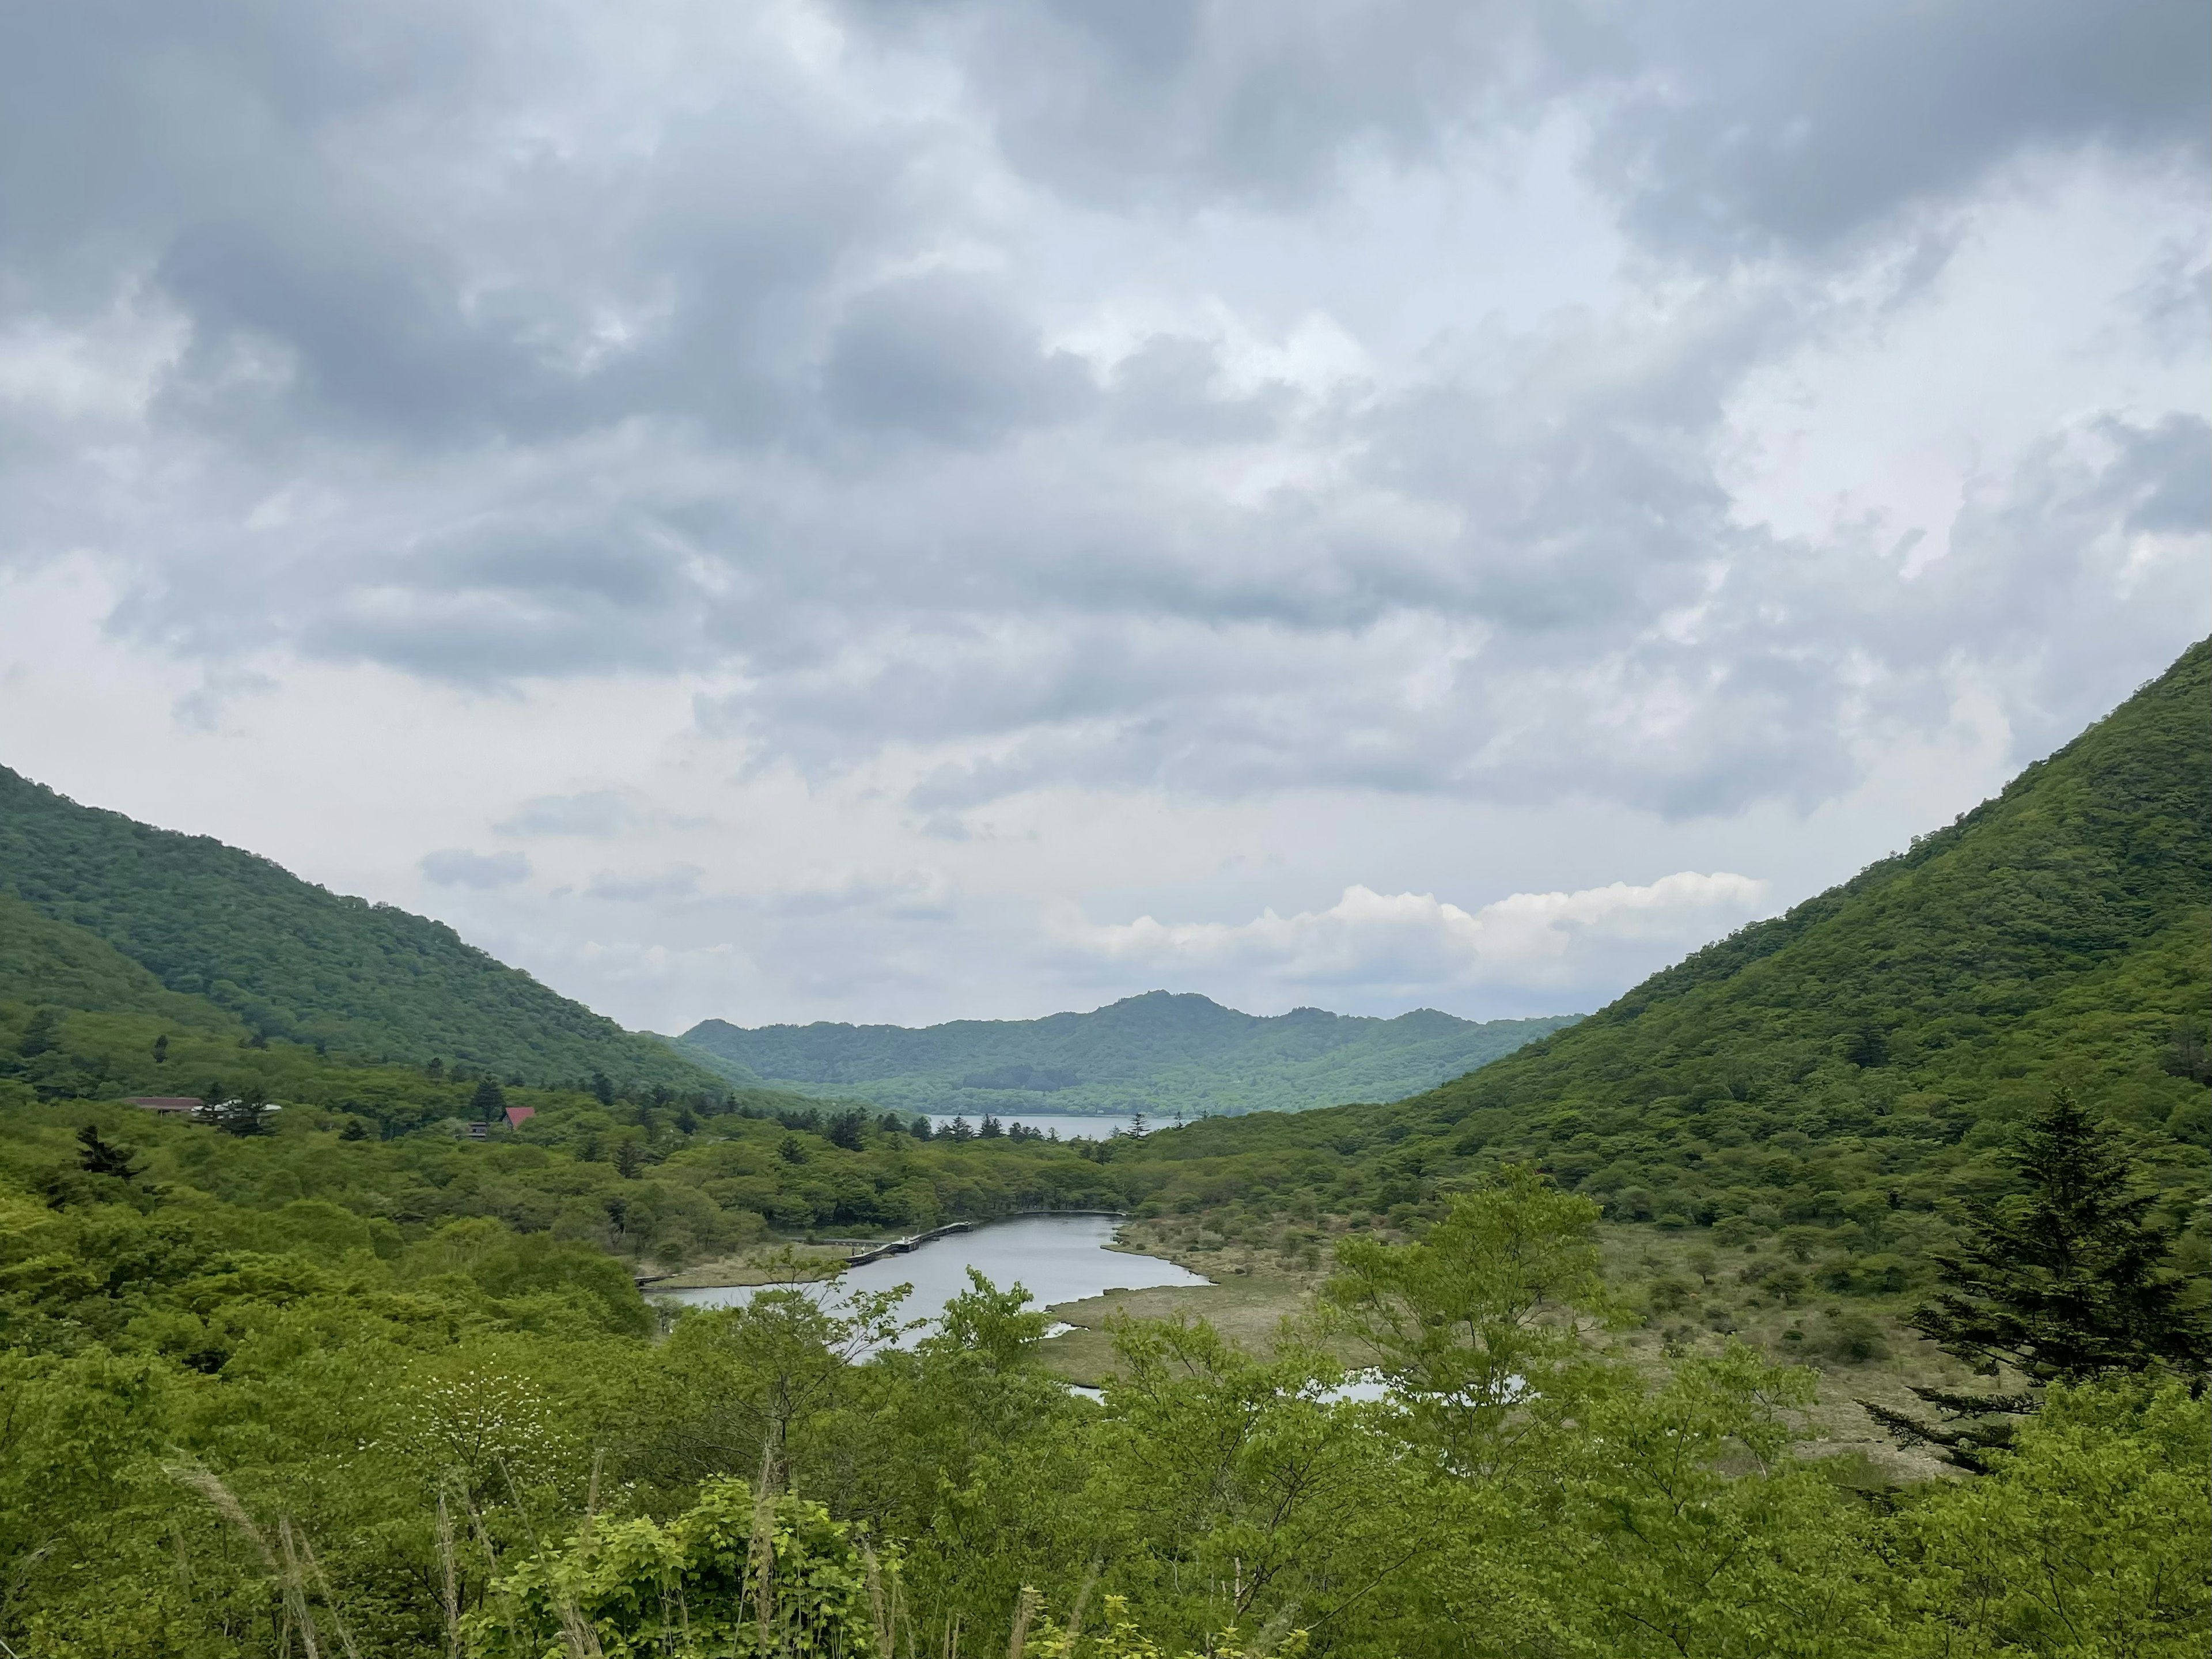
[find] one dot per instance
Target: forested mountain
(289, 959)
(1158, 1053)
(1843, 1067)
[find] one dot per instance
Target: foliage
(2061, 1280)
(730, 1575)
(1158, 1054)
(1465, 1323)
(2090, 1537)
(287, 958)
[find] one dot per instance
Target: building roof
(164, 1102)
(516, 1115)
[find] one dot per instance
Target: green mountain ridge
(209, 924)
(1159, 1053)
(1848, 1066)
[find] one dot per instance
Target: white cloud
(1554, 941)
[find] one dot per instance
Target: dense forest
(292, 960)
(356, 1362)
(1165, 1055)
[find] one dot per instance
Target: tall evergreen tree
(97, 1157)
(489, 1101)
(2062, 1280)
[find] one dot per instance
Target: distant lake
(1056, 1258)
(1065, 1125)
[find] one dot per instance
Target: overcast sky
(908, 511)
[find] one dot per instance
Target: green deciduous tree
(2089, 1537)
(1466, 1322)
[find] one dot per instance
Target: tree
(2063, 1280)
(603, 1089)
(2088, 1536)
(846, 1130)
(245, 1113)
(162, 1049)
(992, 1128)
(104, 1157)
(41, 1034)
(920, 1127)
(1466, 1323)
(489, 1101)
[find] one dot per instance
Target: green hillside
(1158, 1054)
(288, 959)
(1842, 1068)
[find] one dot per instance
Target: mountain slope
(293, 960)
(44, 962)
(1841, 1067)
(1157, 1052)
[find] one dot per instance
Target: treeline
(231, 1430)
(1165, 1055)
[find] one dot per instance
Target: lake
(1056, 1258)
(1065, 1126)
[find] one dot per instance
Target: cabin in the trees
(168, 1105)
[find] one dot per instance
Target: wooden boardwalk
(863, 1251)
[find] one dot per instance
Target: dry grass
(760, 1264)
(1258, 1285)
(1254, 1291)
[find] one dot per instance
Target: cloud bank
(1558, 944)
(949, 424)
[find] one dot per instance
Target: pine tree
(39, 1034)
(489, 1101)
(245, 1113)
(98, 1156)
(2063, 1280)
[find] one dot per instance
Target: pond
(1056, 1258)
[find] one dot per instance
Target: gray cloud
(1741, 124)
(595, 812)
(458, 867)
(680, 882)
(1723, 125)
(497, 359)
(944, 358)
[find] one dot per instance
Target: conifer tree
(98, 1156)
(2063, 1280)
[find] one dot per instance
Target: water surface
(1056, 1258)
(1068, 1126)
